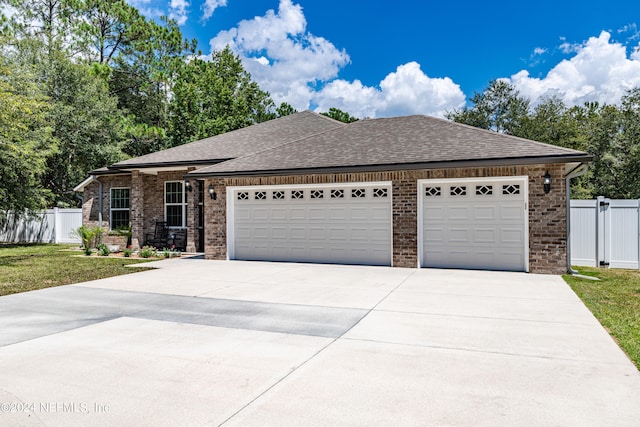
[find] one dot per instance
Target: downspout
(99, 203)
(576, 172)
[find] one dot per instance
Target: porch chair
(160, 236)
(179, 239)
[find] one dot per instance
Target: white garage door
(474, 223)
(346, 224)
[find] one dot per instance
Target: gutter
(446, 164)
(99, 203)
(579, 170)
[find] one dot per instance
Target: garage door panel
(279, 233)
(511, 235)
(279, 214)
(477, 224)
(458, 235)
(511, 213)
(458, 213)
(341, 224)
(485, 212)
(486, 235)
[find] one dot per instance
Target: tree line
(611, 133)
(87, 83)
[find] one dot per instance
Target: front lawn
(26, 267)
(615, 301)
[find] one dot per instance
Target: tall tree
(213, 97)
(341, 116)
(86, 121)
(499, 108)
(285, 109)
(25, 140)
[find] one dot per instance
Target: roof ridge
(493, 132)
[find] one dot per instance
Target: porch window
(175, 204)
(119, 208)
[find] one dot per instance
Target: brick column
(137, 209)
(405, 228)
(215, 220)
(547, 221)
(192, 216)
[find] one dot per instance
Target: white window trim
(111, 208)
(183, 204)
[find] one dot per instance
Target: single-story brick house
(411, 191)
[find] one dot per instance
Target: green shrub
(103, 250)
(166, 253)
(127, 252)
(90, 236)
(147, 252)
(87, 250)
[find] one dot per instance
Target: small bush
(176, 254)
(147, 252)
(87, 250)
(90, 236)
(103, 250)
(166, 253)
(127, 252)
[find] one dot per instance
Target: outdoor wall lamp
(546, 183)
(188, 186)
(212, 192)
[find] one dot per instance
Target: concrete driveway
(249, 343)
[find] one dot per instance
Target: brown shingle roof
(237, 143)
(398, 141)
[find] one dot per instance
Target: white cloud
(408, 90)
(291, 63)
(599, 71)
(209, 6)
(539, 51)
(178, 10)
(145, 8)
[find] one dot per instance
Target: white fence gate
(605, 233)
(50, 226)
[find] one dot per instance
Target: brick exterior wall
(146, 204)
(547, 212)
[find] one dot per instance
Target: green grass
(36, 266)
(615, 301)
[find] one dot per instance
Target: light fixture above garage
(212, 192)
(546, 183)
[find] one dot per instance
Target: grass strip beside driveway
(615, 301)
(27, 267)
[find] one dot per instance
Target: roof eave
(182, 164)
(404, 166)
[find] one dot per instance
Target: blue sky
(376, 58)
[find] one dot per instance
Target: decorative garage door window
(484, 190)
(346, 224)
(510, 189)
(379, 192)
(357, 193)
(318, 194)
(433, 191)
(460, 190)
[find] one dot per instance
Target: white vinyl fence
(605, 233)
(50, 226)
